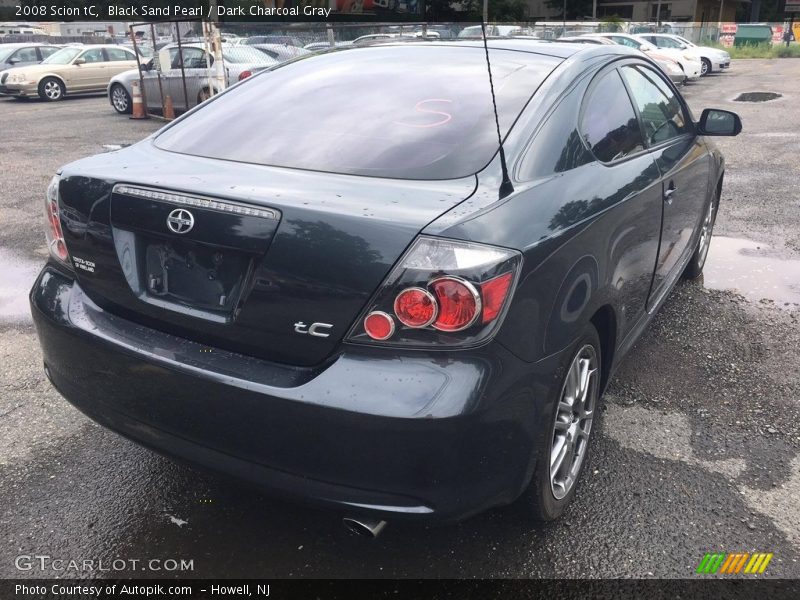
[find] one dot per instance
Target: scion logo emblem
(180, 221)
(315, 329)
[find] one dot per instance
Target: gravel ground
(696, 451)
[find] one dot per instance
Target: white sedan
(711, 58)
(690, 64)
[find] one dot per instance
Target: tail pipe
(364, 527)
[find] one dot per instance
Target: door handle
(669, 192)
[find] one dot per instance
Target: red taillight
(415, 307)
(57, 246)
(54, 233)
(245, 75)
(441, 293)
(459, 303)
(494, 294)
(379, 325)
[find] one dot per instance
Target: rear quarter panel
(589, 235)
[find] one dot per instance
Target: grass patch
(759, 50)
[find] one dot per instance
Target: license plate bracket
(192, 275)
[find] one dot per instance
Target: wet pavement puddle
(757, 97)
(753, 270)
(16, 278)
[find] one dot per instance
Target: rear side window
(95, 55)
(661, 111)
(409, 112)
(626, 42)
(193, 58)
(115, 54)
(26, 55)
(609, 124)
(47, 51)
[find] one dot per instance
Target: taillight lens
(441, 293)
(379, 325)
(459, 301)
(53, 231)
(244, 75)
(415, 307)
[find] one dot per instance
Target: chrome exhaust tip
(369, 528)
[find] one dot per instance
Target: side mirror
(715, 121)
(13, 61)
(79, 61)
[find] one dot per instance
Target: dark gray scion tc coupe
(331, 282)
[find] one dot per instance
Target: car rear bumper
(425, 435)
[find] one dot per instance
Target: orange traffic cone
(169, 110)
(138, 106)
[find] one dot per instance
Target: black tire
(120, 99)
(694, 269)
(706, 68)
(539, 501)
(51, 89)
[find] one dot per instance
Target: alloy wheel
(119, 98)
(705, 234)
(573, 422)
(52, 89)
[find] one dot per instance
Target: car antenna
(505, 187)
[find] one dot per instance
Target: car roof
(561, 50)
(609, 34)
(22, 44)
(91, 46)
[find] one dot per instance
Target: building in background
(701, 11)
(93, 28)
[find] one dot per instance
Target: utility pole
(215, 48)
(594, 10)
(485, 11)
(658, 13)
(719, 22)
(564, 19)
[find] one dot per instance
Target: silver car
(281, 52)
(21, 54)
(163, 75)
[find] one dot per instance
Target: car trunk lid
(242, 257)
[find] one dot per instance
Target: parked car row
(74, 69)
(681, 59)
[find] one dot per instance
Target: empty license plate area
(192, 275)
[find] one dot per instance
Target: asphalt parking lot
(697, 449)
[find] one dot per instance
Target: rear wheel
(120, 99)
(705, 68)
(565, 444)
(51, 89)
(695, 267)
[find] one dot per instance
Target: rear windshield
(408, 112)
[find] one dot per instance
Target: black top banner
(32, 11)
